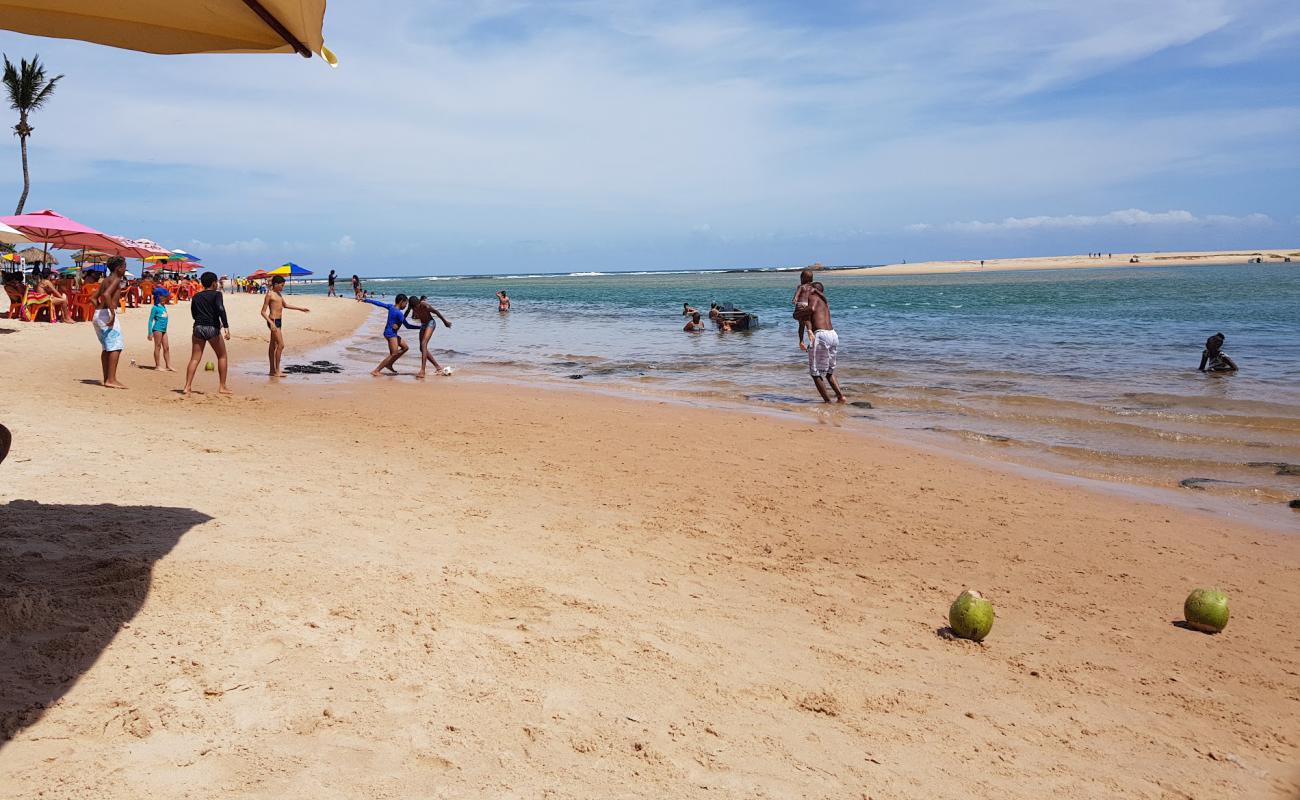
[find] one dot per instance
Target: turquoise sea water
(1091, 372)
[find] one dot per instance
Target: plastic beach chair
(15, 295)
(35, 302)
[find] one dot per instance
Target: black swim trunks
(206, 332)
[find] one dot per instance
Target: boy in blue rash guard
(158, 330)
(392, 326)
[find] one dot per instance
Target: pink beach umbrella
(135, 248)
(56, 230)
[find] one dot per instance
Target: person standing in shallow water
(503, 301)
(1213, 359)
(824, 347)
(331, 292)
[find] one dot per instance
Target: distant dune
(1157, 259)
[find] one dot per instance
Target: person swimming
(1213, 359)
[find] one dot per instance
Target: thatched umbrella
(90, 257)
(35, 255)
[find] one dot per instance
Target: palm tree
(28, 90)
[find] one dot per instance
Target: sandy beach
(1084, 261)
(465, 588)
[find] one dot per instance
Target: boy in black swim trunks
(209, 312)
(273, 312)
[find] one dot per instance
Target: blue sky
(499, 136)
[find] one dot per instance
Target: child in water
(1213, 359)
(158, 329)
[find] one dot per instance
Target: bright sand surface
(1242, 256)
(462, 588)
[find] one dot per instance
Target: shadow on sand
(70, 577)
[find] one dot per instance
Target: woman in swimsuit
(424, 314)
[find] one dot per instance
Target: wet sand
(380, 588)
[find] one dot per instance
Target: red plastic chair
(15, 293)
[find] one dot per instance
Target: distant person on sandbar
(824, 346)
(210, 324)
(331, 292)
(1213, 359)
(158, 330)
(424, 313)
(273, 306)
(503, 301)
(687, 310)
(392, 326)
(108, 327)
(694, 324)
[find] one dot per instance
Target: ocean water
(1085, 372)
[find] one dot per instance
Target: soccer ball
(210, 366)
(446, 370)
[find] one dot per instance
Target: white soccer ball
(446, 370)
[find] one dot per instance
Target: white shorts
(821, 353)
(110, 337)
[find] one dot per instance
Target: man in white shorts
(824, 345)
(108, 327)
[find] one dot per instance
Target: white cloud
(242, 247)
(1131, 217)
(345, 244)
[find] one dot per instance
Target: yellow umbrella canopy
(177, 26)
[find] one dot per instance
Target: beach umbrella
(11, 257)
(132, 248)
(170, 27)
(56, 230)
(289, 270)
(258, 275)
(92, 256)
(10, 235)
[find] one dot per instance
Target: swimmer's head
(400, 301)
(805, 276)
(818, 286)
(695, 317)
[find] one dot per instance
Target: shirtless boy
(823, 347)
(503, 301)
(273, 307)
(108, 328)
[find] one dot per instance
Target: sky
(502, 136)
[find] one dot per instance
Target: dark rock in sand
(575, 377)
(1294, 504)
(1282, 467)
(861, 404)
(1198, 483)
(314, 368)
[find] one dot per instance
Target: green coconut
(971, 616)
(1206, 610)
